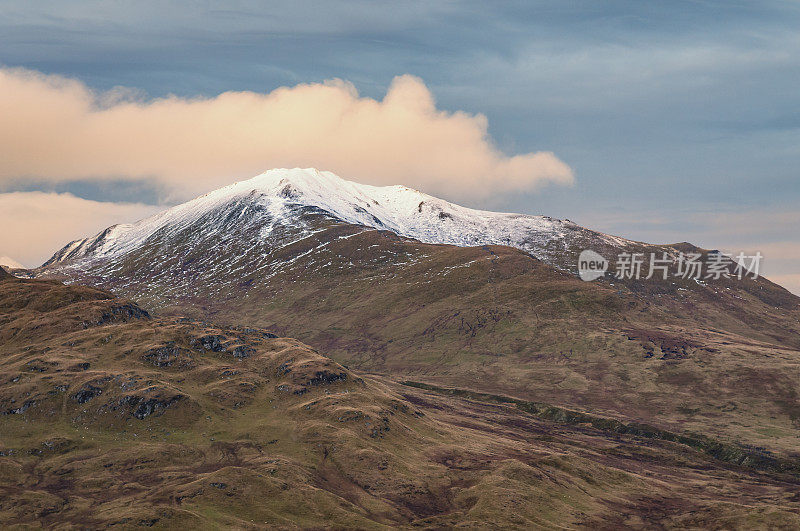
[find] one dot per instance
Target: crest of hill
(277, 195)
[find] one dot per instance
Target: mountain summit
(279, 197)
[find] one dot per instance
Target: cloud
(33, 225)
(57, 128)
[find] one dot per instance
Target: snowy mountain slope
(10, 263)
(277, 196)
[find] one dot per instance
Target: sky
(658, 121)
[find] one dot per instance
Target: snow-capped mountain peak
(280, 194)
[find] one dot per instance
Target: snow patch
(407, 212)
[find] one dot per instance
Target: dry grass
(133, 421)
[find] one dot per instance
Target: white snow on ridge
(405, 211)
(10, 263)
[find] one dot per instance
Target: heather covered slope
(297, 251)
(113, 417)
(720, 356)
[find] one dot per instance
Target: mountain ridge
(402, 210)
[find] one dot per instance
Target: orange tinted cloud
(56, 128)
(36, 224)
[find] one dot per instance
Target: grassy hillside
(110, 416)
(719, 357)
